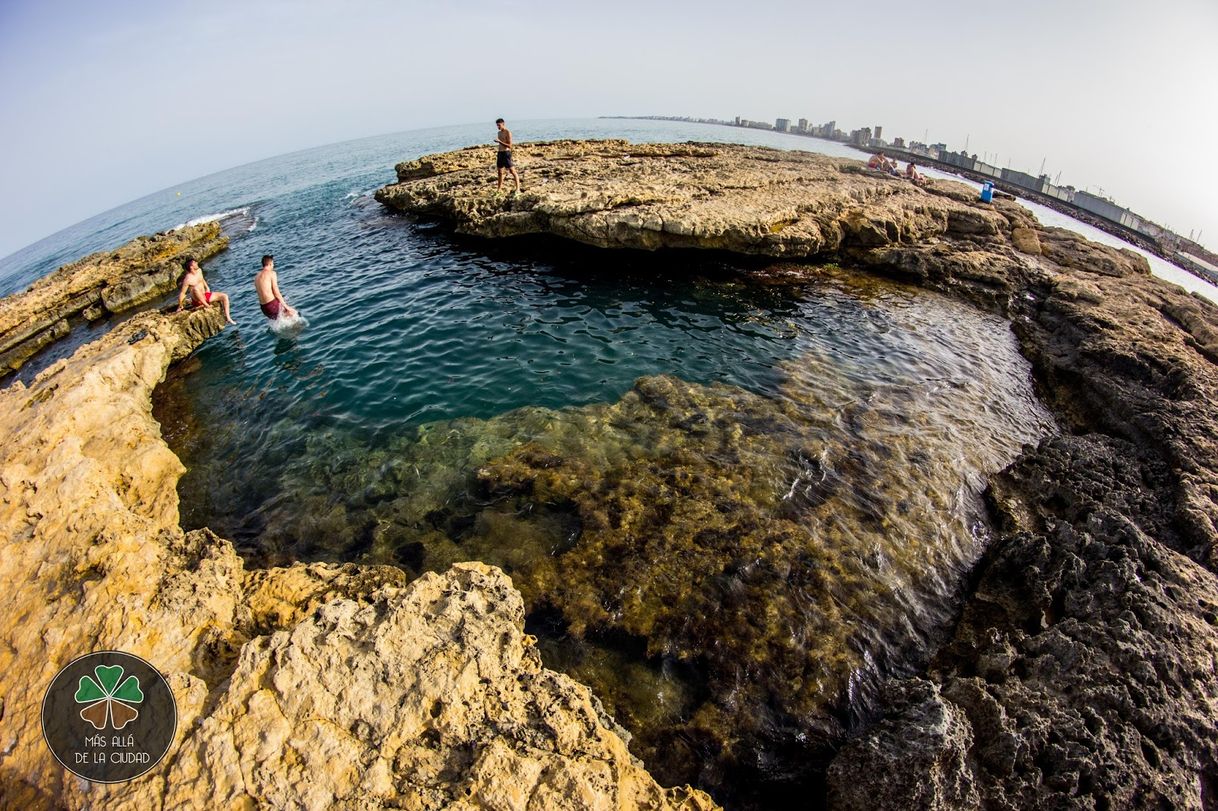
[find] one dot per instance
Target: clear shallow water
(734, 497)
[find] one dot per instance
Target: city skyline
(1100, 204)
(105, 104)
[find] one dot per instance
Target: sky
(105, 102)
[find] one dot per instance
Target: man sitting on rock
(200, 293)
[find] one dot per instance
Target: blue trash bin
(987, 192)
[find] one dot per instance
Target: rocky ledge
(96, 286)
(748, 200)
(1081, 673)
(311, 686)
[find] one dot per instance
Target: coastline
(1035, 696)
(309, 685)
(1118, 230)
(1032, 701)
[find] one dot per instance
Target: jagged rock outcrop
(1082, 671)
(98, 285)
(310, 686)
(1080, 674)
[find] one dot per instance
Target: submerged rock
(100, 284)
(315, 685)
(731, 571)
(1082, 673)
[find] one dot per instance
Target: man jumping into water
(503, 160)
(267, 285)
(200, 292)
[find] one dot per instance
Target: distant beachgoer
(503, 160)
(913, 174)
(269, 297)
(877, 162)
(200, 293)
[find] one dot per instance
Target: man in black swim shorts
(503, 159)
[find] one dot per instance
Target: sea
(736, 495)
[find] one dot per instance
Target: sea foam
(222, 215)
(288, 326)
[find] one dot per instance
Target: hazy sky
(104, 102)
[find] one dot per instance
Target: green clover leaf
(107, 697)
(108, 676)
(88, 691)
(130, 691)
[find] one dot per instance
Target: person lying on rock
(266, 283)
(200, 293)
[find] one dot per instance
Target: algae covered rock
(732, 572)
(315, 685)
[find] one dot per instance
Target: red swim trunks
(271, 309)
(207, 297)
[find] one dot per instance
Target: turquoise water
(735, 496)
(353, 166)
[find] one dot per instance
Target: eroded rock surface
(1082, 673)
(98, 285)
(750, 200)
(311, 686)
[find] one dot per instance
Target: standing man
(200, 292)
(503, 160)
(266, 283)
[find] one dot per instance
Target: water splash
(288, 325)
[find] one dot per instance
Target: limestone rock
(102, 283)
(312, 686)
(1082, 673)
(922, 752)
(750, 200)
(1025, 239)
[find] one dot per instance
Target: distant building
(782, 124)
(861, 137)
(737, 121)
(1099, 205)
(986, 169)
(879, 133)
(899, 143)
(803, 125)
(961, 159)
(1063, 193)
(1023, 179)
(1131, 220)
